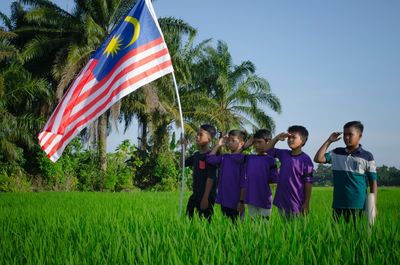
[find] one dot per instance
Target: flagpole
(182, 144)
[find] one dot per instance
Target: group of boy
(235, 179)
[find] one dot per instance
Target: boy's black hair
(210, 129)
(263, 134)
(238, 133)
(299, 129)
(356, 124)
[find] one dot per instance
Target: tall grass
(144, 228)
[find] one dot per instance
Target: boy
(260, 171)
(204, 175)
(231, 182)
(293, 191)
(352, 167)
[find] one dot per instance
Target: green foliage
(323, 175)
(167, 170)
(388, 176)
(119, 175)
(13, 178)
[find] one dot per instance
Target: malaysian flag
(133, 55)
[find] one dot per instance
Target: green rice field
(145, 228)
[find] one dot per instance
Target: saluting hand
(222, 140)
(334, 137)
(248, 143)
(282, 136)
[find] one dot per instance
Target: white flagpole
(182, 143)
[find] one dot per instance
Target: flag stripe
(82, 100)
(97, 112)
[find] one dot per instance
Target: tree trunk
(143, 123)
(102, 127)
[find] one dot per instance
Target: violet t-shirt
(294, 172)
(260, 170)
(231, 178)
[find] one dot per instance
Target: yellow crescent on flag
(136, 33)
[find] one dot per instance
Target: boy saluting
(353, 167)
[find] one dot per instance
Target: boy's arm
(372, 179)
(221, 142)
(247, 144)
(305, 208)
(204, 204)
(243, 184)
(373, 188)
(320, 155)
(240, 206)
(308, 180)
(280, 137)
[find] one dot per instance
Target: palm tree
(240, 96)
(23, 99)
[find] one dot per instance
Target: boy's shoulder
(266, 157)
(199, 155)
(360, 153)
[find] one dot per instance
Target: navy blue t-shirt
(201, 172)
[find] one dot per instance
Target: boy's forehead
(202, 131)
(234, 137)
(295, 132)
(351, 129)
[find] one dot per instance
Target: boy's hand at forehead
(282, 136)
(222, 141)
(334, 137)
(248, 143)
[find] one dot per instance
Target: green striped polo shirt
(351, 173)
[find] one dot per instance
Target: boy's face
(203, 138)
(295, 140)
(351, 137)
(259, 145)
(234, 143)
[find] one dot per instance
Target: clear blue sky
(329, 62)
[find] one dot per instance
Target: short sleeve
(308, 171)
(275, 152)
(371, 171)
(328, 158)
(273, 172)
(189, 161)
(214, 159)
(243, 177)
(211, 172)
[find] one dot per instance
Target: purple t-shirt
(231, 178)
(260, 170)
(294, 172)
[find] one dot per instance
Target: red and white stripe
(88, 98)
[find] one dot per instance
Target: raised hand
(222, 140)
(334, 137)
(248, 143)
(282, 136)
